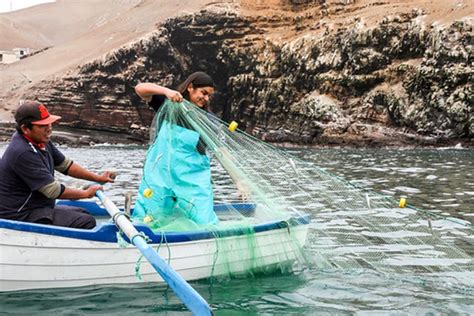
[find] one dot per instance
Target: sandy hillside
(80, 31)
(53, 24)
(77, 31)
(367, 12)
(437, 11)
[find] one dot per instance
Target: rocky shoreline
(290, 77)
(75, 137)
(86, 137)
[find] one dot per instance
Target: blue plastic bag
(177, 178)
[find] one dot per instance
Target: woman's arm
(227, 161)
(146, 91)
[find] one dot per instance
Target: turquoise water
(440, 180)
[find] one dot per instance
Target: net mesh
(352, 228)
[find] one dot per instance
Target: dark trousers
(62, 215)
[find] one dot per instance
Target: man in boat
(28, 190)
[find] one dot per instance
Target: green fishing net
(178, 193)
(351, 227)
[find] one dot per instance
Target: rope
(120, 240)
(139, 260)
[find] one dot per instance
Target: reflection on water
(440, 180)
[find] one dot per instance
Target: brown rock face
(290, 77)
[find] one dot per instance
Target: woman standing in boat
(176, 178)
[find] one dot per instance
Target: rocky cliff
(291, 75)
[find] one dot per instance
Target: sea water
(438, 180)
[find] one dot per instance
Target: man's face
(39, 133)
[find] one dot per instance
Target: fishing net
(178, 194)
(352, 228)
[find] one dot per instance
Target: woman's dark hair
(198, 79)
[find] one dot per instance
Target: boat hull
(37, 260)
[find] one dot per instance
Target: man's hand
(90, 191)
(107, 176)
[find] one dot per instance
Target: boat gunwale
(107, 232)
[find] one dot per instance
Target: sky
(6, 5)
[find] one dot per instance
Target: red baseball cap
(35, 113)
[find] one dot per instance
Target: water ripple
(437, 180)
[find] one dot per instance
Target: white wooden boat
(34, 256)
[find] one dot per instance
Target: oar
(193, 301)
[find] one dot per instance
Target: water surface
(439, 180)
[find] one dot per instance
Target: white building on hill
(8, 57)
